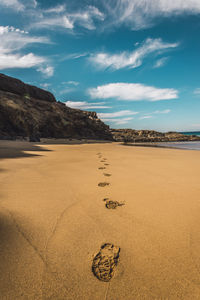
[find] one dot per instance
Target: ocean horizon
(191, 133)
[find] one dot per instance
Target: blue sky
(135, 62)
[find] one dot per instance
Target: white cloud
(71, 82)
(156, 112)
(59, 16)
(145, 117)
(14, 4)
(70, 87)
(48, 71)
(165, 111)
(56, 9)
(116, 117)
(117, 114)
(197, 91)
(139, 14)
(45, 85)
(118, 121)
(132, 92)
(58, 21)
(132, 59)
(66, 90)
(160, 62)
(86, 105)
(14, 40)
(9, 61)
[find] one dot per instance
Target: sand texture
(68, 231)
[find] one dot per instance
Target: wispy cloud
(13, 40)
(70, 86)
(160, 62)
(18, 5)
(118, 117)
(132, 92)
(140, 14)
(86, 105)
(71, 82)
(48, 71)
(132, 59)
(10, 61)
(45, 85)
(145, 117)
(56, 9)
(13, 4)
(165, 111)
(120, 113)
(59, 16)
(119, 121)
(156, 112)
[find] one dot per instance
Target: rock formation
(27, 111)
(141, 136)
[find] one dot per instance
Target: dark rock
(34, 138)
(142, 136)
(32, 117)
(16, 86)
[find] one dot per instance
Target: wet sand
(58, 240)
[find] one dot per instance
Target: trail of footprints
(105, 261)
(110, 204)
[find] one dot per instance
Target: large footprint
(105, 261)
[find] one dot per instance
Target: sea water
(191, 133)
(185, 145)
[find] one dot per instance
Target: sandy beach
(54, 220)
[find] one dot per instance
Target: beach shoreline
(55, 216)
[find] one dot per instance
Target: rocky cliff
(141, 136)
(27, 111)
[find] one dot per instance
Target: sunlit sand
(58, 240)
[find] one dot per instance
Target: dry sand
(53, 222)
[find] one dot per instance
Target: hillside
(28, 111)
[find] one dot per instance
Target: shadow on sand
(15, 149)
(73, 141)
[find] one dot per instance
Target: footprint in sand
(107, 174)
(106, 164)
(113, 204)
(105, 262)
(102, 184)
(102, 168)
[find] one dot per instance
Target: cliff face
(141, 136)
(27, 111)
(16, 86)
